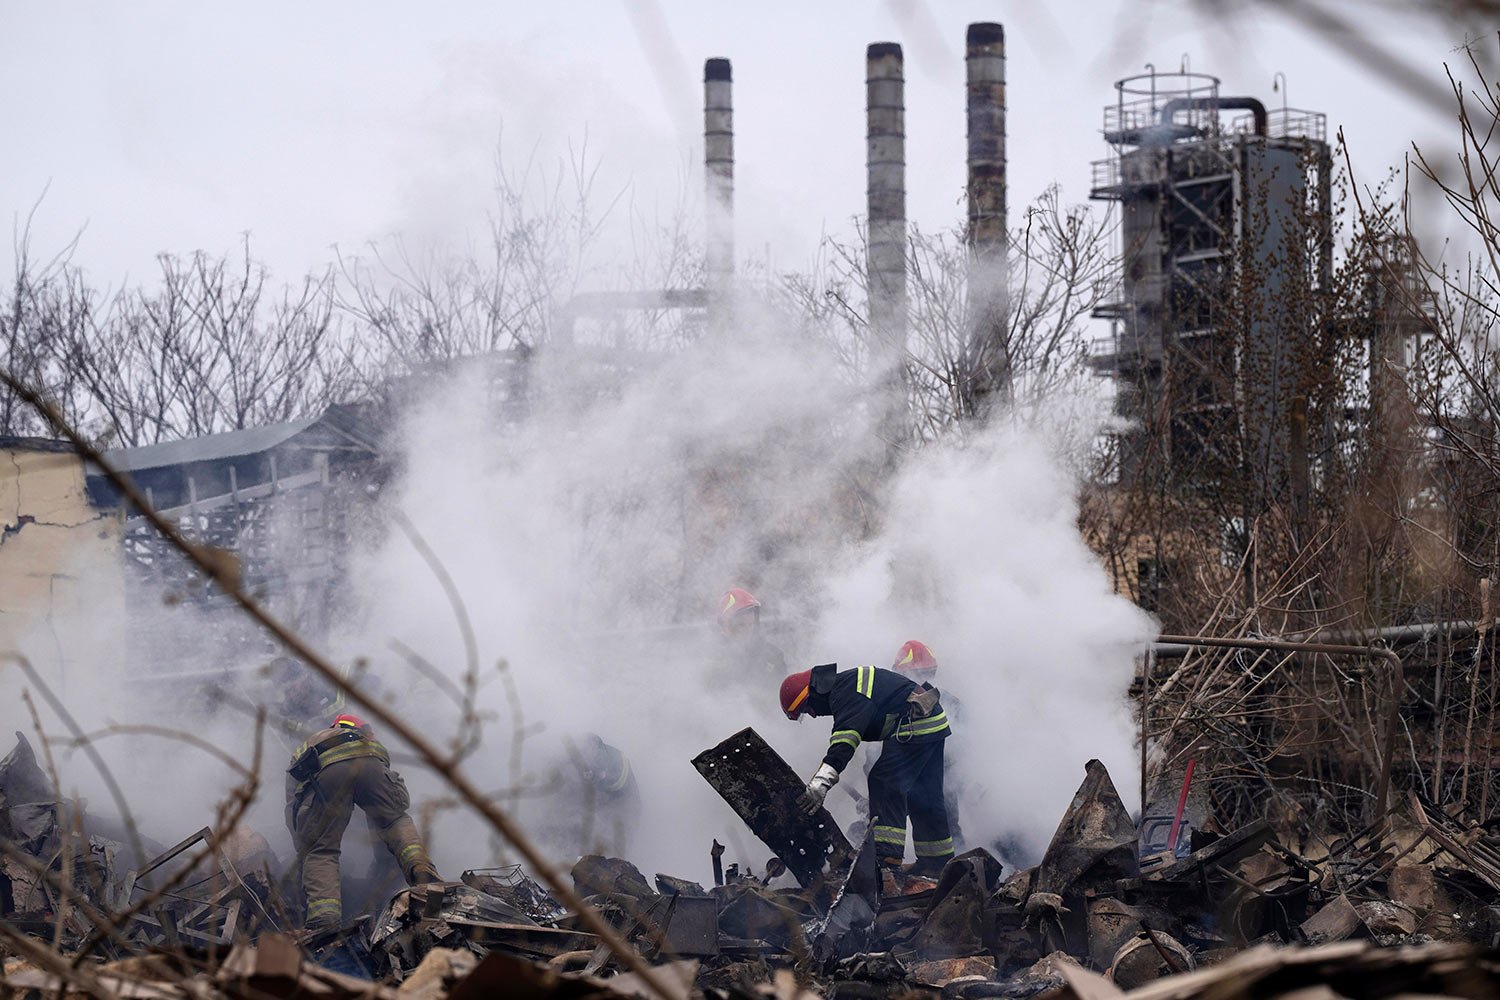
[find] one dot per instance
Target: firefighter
(739, 622)
(916, 661)
(305, 700)
(616, 796)
(874, 704)
(337, 769)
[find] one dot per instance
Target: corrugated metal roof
(10, 442)
(251, 441)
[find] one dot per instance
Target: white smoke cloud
(591, 542)
(141, 673)
(980, 556)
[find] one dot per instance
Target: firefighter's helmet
(351, 721)
(794, 692)
(915, 660)
(736, 602)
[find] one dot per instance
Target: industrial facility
(1226, 243)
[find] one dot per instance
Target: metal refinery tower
(1226, 247)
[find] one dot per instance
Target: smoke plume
(591, 542)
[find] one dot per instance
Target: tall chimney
(989, 362)
(885, 262)
(718, 164)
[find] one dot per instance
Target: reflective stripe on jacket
(612, 771)
(366, 746)
(870, 704)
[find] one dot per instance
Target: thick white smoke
(146, 678)
(590, 544)
(979, 555)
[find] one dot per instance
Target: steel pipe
(1398, 685)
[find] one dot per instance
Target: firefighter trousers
(320, 819)
(907, 780)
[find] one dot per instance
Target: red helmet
(915, 658)
(352, 721)
(735, 601)
(794, 691)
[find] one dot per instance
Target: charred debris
(1410, 905)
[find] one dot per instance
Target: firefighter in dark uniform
(916, 661)
(871, 704)
(303, 701)
(616, 796)
(337, 769)
(739, 622)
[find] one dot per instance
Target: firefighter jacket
(610, 771)
(330, 745)
(951, 704)
(754, 654)
(871, 704)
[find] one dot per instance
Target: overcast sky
(173, 126)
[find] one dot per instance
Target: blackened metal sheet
(763, 790)
(1095, 844)
(694, 926)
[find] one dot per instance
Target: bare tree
(420, 305)
(47, 308)
(1456, 375)
(212, 348)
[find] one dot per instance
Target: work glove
(923, 701)
(817, 789)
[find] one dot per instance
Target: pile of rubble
(1390, 911)
(66, 875)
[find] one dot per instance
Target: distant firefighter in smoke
(615, 795)
(749, 649)
(303, 699)
(337, 769)
(873, 704)
(915, 660)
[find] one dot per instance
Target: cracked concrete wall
(60, 559)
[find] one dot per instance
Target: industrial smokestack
(718, 164)
(885, 262)
(989, 367)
